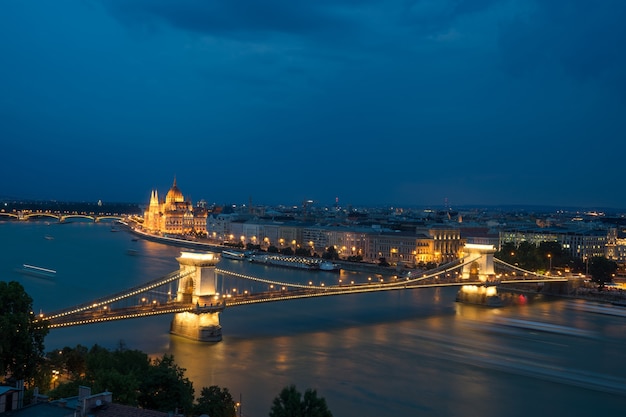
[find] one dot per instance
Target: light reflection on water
(400, 353)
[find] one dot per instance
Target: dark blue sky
(376, 102)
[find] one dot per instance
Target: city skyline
(376, 103)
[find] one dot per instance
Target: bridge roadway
(106, 314)
(103, 313)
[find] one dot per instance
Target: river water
(404, 353)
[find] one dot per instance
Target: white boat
(299, 262)
(37, 271)
(240, 256)
(329, 266)
(291, 261)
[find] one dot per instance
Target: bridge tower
(480, 268)
(198, 287)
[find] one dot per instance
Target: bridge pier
(199, 288)
(202, 327)
(480, 269)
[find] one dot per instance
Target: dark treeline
(159, 384)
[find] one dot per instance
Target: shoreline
(190, 244)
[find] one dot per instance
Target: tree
(331, 253)
(165, 387)
(601, 270)
(119, 372)
(252, 246)
(553, 254)
(289, 403)
(528, 257)
(287, 251)
(75, 360)
(507, 253)
(303, 251)
(22, 335)
(215, 402)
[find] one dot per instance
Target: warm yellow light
(479, 246)
(197, 256)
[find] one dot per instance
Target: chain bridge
(192, 292)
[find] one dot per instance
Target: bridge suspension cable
(543, 277)
(442, 269)
(172, 276)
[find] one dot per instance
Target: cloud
(238, 17)
(431, 16)
(586, 39)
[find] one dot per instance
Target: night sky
(379, 102)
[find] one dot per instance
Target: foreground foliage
(21, 335)
(130, 375)
(215, 402)
(290, 403)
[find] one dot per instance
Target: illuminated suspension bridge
(191, 293)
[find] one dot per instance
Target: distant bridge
(23, 216)
(196, 302)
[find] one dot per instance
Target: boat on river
(329, 266)
(228, 254)
(299, 262)
(37, 271)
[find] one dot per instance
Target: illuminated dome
(174, 195)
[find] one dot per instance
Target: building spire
(154, 198)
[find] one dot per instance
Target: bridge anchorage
(198, 286)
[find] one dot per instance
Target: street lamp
(55, 377)
(550, 258)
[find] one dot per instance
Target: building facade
(439, 244)
(175, 215)
(579, 244)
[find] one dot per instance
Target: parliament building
(174, 216)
